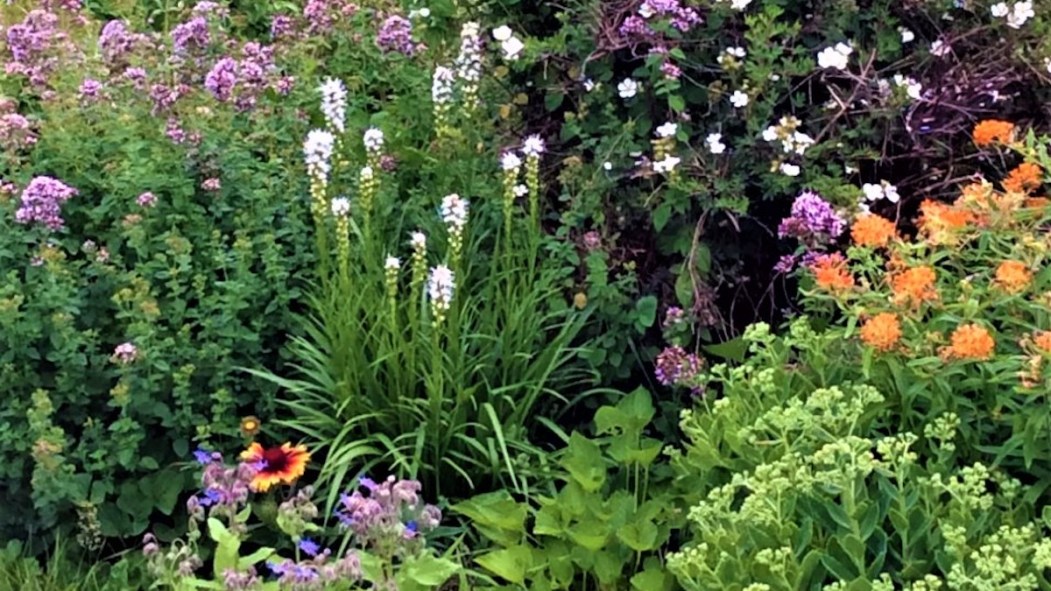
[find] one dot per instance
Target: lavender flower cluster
(42, 202)
(387, 512)
(676, 367)
(322, 15)
(814, 222)
(316, 572)
(249, 77)
(15, 130)
(34, 44)
(225, 488)
(395, 36)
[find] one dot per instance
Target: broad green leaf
(591, 535)
(428, 570)
(608, 568)
(511, 563)
(583, 460)
(256, 557)
(497, 509)
(639, 536)
(653, 578)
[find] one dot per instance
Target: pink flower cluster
(125, 354)
(322, 15)
(388, 511)
(638, 28)
(116, 42)
(42, 202)
(245, 79)
(15, 130)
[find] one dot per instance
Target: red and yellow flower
(282, 464)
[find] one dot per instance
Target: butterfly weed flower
(970, 342)
(914, 286)
(992, 131)
(1013, 276)
(872, 231)
(831, 272)
(882, 331)
(1024, 178)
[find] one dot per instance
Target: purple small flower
(284, 85)
(212, 184)
(89, 89)
(670, 70)
(786, 263)
(191, 35)
(281, 26)
(813, 221)
(137, 76)
(202, 456)
(676, 367)
(309, 547)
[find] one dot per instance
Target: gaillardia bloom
(276, 465)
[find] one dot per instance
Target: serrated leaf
(583, 460)
(510, 564)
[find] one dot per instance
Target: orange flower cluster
(1042, 340)
(1023, 179)
(831, 273)
(882, 331)
(1013, 276)
(872, 230)
(992, 131)
(939, 221)
(914, 286)
(970, 342)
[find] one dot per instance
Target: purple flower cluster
(322, 15)
(249, 77)
(164, 97)
(190, 36)
(234, 580)
(638, 28)
(90, 89)
(395, 36)
(15, 132)
(388, 511)
(317, 572)
(281, 27)
(125, 354)
(813, 221)
(42, 202)
(226, 488)
(221, 79)
(116, 41)
(32, 44)
(676, 367)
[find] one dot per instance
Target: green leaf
(227, 546)
(652, 579)
(639, 536)
(256, 557)
(677, 103)
(583, 460)
(494, 510)
(733, 350)
(591, 535)
(608, 568)
(510, 564)
(428, 570)
(645, 312)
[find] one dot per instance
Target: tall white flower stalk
(391, 269)
(532, 148)
(512, 166)
(469, 65)
(441, 286)
(318, 148)
(340, 208)
(442, 88)
(334, 110)
(454, 213)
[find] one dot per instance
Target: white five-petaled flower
(440, 287)
(835, 57)
(392, 263)
(502, 33)
(912, 88)
(739, 4)
(607, 165)
(334, 103)
(667, 129)
(646, 11)
(521, 190)
(715, 143)
(627, 88)
(373, 139)
(589, 85)
(340, 207)
(512, 48)
(999, 10)
(739, 99)
(789, 169)
(454, 211)
(418, 240)
(1020, 13)
(883, 190)
(939, 48)
(533, 145)
(907, 36)
(510, 161)
(667, 164)
(738, 52)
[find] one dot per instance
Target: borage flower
(276, 465)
